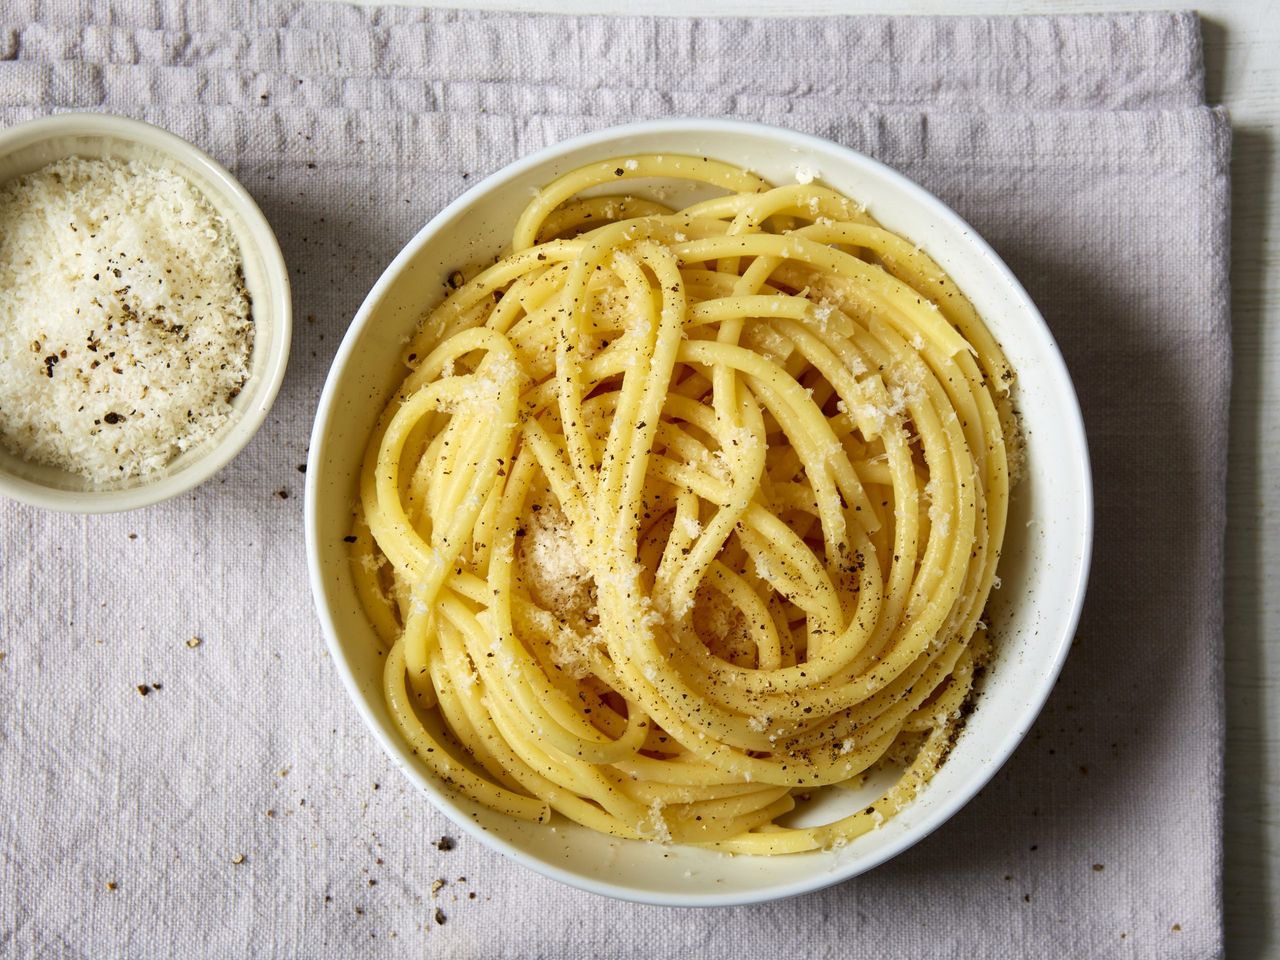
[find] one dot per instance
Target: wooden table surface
(1242, 53)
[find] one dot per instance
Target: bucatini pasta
(681, 516)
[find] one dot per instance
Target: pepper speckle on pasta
(681, 516)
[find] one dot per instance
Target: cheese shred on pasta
(680, 516)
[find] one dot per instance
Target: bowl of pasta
(698, 512)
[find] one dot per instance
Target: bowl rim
(1074, 584)
(257, 234)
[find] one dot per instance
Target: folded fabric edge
(1158, 56)
(1120, 140)
(125, 86)
(242, 15)
(1220, 240)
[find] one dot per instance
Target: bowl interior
(28, 148)
(1043, 565)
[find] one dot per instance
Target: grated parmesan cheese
(556, 571)
(654, 826)
(690, 527)
(125, 326)
(559, 579)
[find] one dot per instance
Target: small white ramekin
(1044, 564)
(28, 147)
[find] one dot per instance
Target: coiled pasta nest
(682, 515)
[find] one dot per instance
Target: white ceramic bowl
(1044, 565)
(28, 147)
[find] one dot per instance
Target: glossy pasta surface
(681, 516)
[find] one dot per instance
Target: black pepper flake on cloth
(446, 843)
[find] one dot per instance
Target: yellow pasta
(681, 516)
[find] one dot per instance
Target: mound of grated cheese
(125, 325)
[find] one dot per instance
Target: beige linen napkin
(1079, 146)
